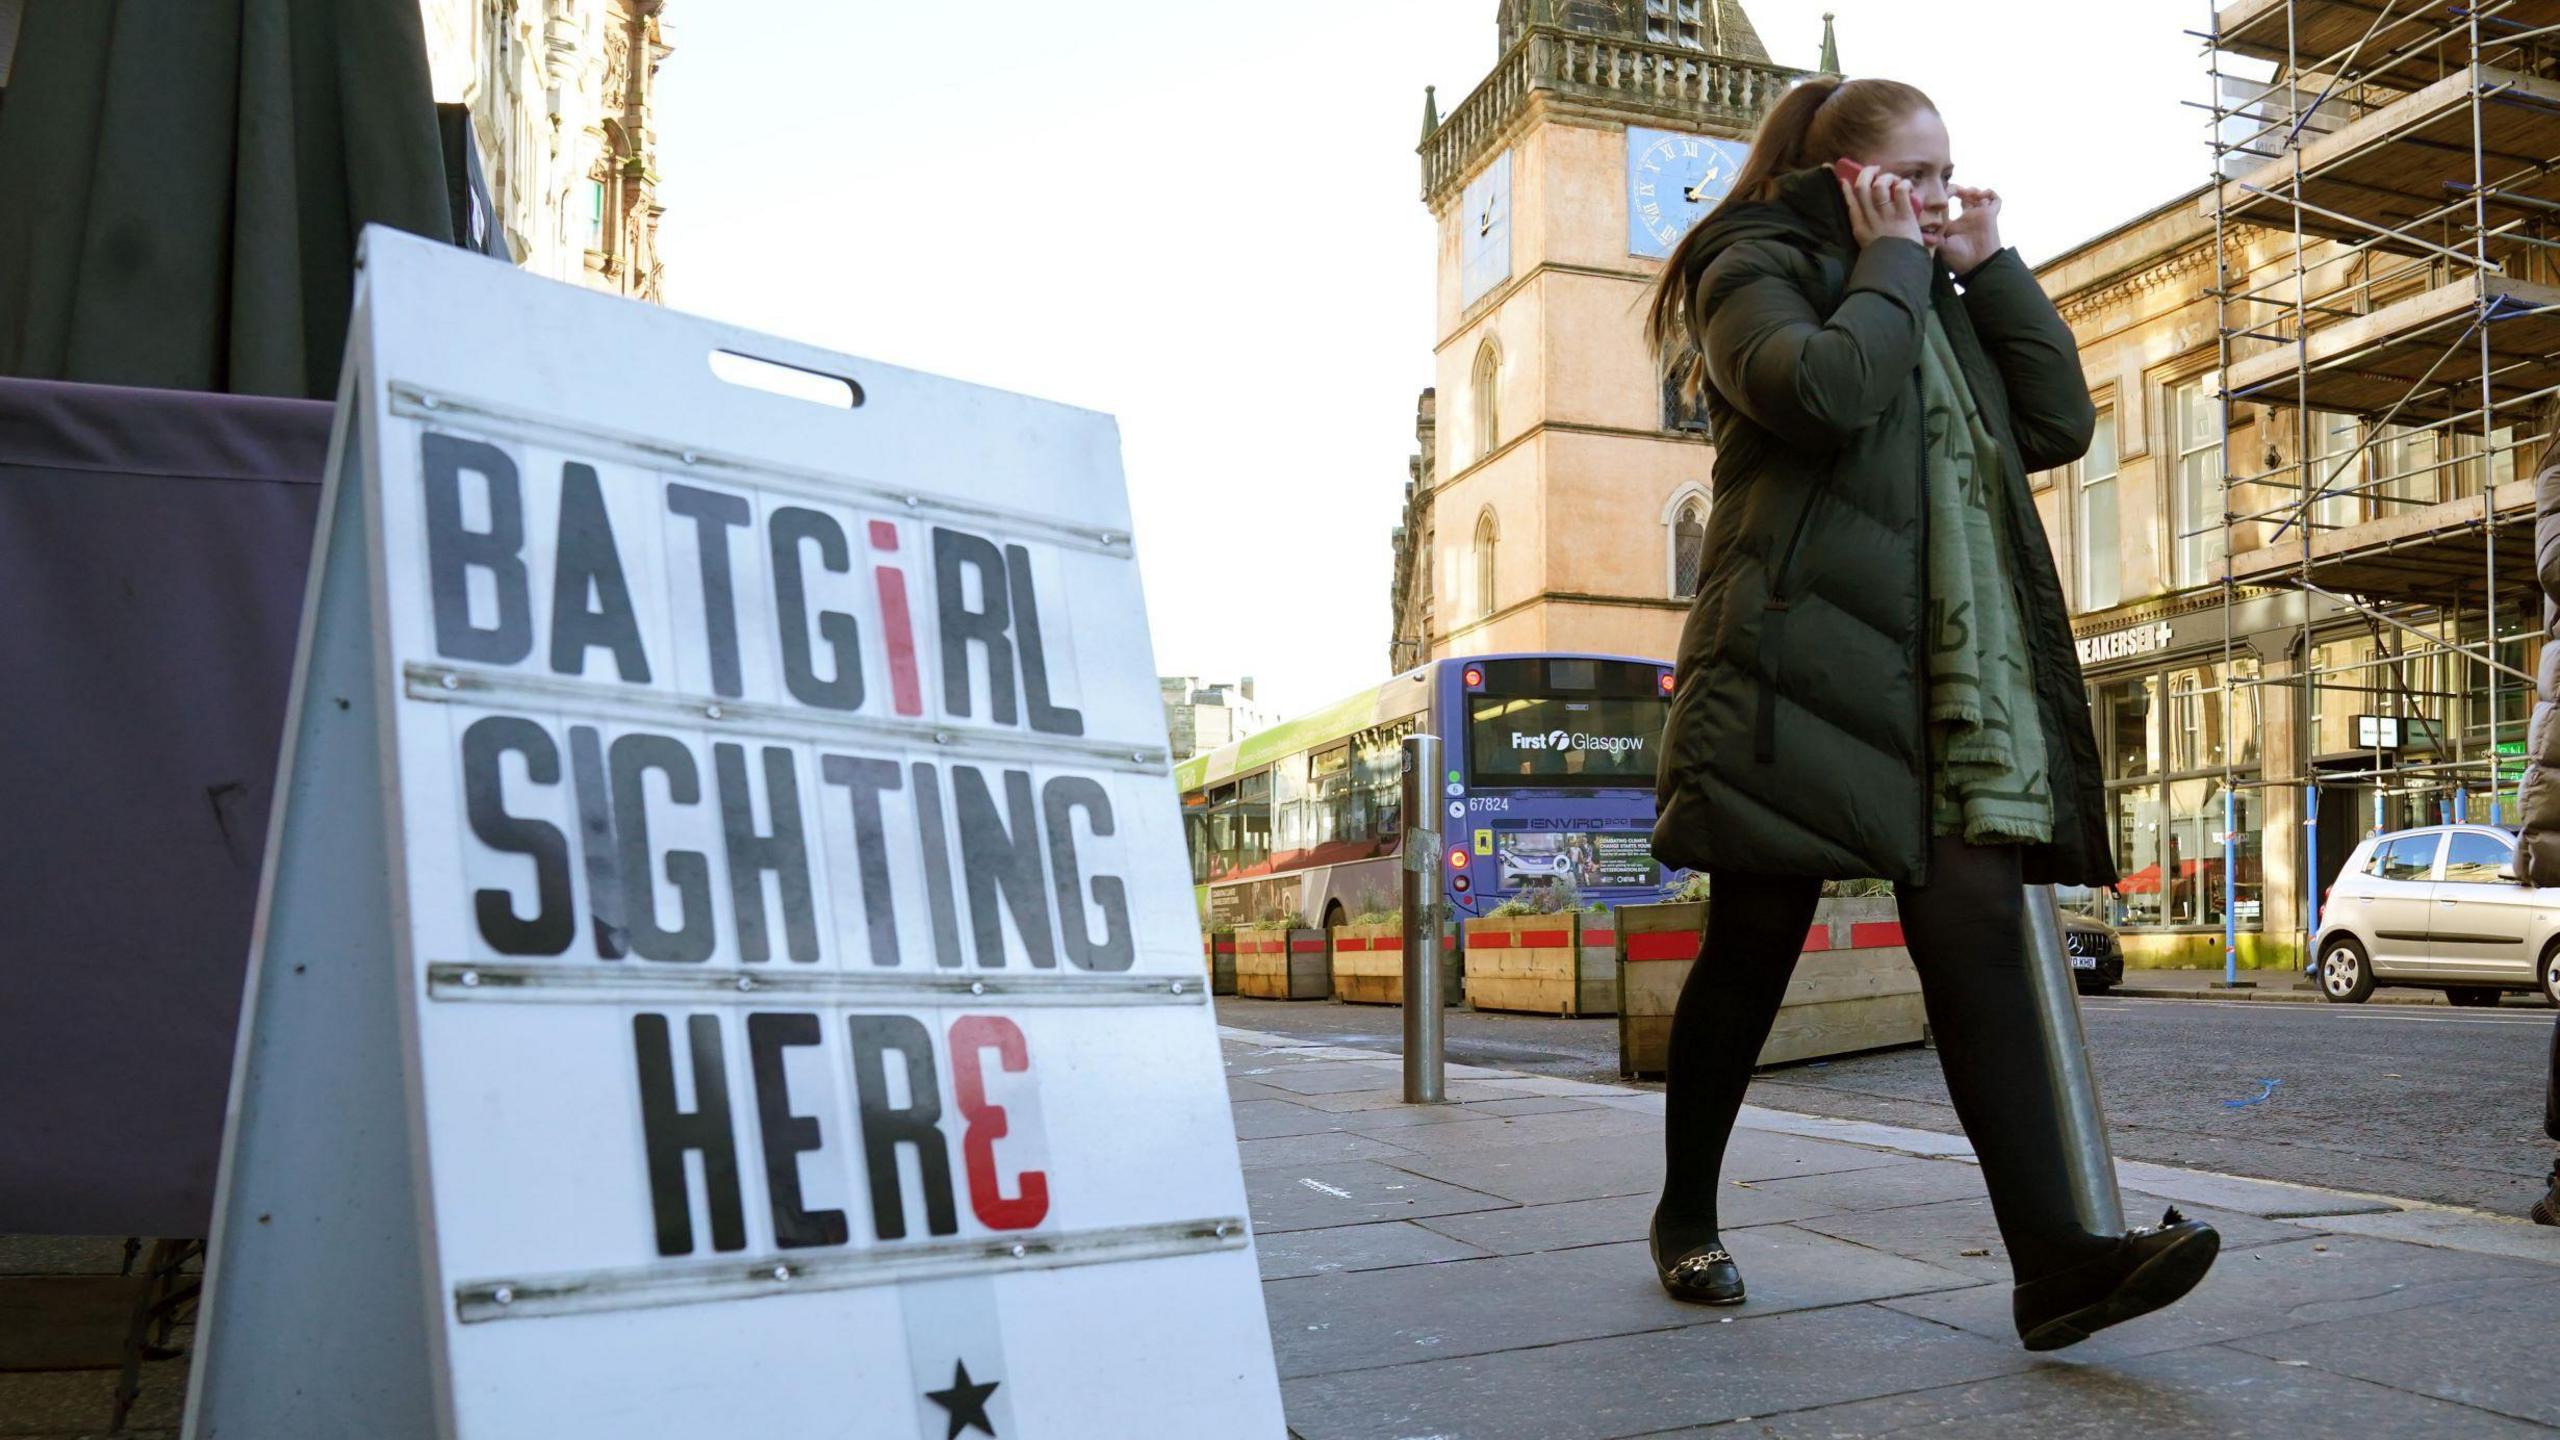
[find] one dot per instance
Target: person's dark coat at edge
(2538, 797)
(1797, 721)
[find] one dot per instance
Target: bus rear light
(1458, 858)
(1666, 682)
(1474, 678)
(1461, 885)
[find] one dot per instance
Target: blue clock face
(1672, 179)
(1484, 231)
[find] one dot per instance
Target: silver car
(2438, 907)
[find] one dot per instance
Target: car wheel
(2548, 972)
(2346, 976)
(2472, 995)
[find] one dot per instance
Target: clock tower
(1563, 501)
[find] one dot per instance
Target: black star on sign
(966, 1402)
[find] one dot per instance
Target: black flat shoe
(1701, 1277)
(2546, 1211)
(2150, 1267)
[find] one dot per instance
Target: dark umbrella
(182, 182)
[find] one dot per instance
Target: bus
(1549, 763)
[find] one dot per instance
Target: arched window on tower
(1486, 536)
(1481, 397)
(1688, 546)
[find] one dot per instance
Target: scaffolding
(2385, 203)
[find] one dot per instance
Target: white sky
(1202, 216)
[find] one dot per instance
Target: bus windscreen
(1559, 740)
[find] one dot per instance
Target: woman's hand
(1880, 205)
(1973, 236)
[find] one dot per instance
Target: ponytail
(1816, 122)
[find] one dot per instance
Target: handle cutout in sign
(791, 382)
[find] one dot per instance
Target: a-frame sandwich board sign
(725, 963)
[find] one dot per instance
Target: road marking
(2377, 1015)
(1337, 1193)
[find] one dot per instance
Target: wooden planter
(1275, 964)
(1854, 988)
(1536, 964)
(1368, 964)
(1220, 953)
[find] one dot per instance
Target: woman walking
(1877, 677)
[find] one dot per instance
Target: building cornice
(2109, 291)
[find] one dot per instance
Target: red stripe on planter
(1448, 942)
(1599, 937)
(1817, 938)
(1489, 940)
(1545, 939)
(1663, 945)
(1350, 942)
(1875, 933)
(1303, 946)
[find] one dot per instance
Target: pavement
(1478, 1270)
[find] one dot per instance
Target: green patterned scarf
(1986, 745)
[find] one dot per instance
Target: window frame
(2081, 482)
(2505, 850)
(1681, 500)
(2201, 385)
(1484, 398)
(1482, 573)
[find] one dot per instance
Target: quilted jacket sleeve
(1809, 380)
(2049, 406)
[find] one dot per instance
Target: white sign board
(726, 964)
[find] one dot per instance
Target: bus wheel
(1335, 917)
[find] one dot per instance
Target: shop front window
(2172, 742)
(2138, 886)
(2195, 865)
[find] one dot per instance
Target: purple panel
(153, 546)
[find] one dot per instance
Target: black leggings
(1963, 932)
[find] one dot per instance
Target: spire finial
(1430, 110)
(1830, 46)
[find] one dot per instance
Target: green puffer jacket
(1795, 743)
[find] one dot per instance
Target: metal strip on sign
(452, 684)
(416, 403)
(563, 984)
(651, 1286)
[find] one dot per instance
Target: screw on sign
(755, 912)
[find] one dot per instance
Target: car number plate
(2084, 962)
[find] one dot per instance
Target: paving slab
(2205, 1393)
(1484, 1132)
(2271, 1198)
(1951, 1232)
(1613, 1219)
(2261, 1290)
(1459, 1091)
(2456, 1229)
(1623, 1164)
(1358, 1247)
(1645, 1383)
(1323, 1148)
(2493, 1350)
(1388, 1317)
(1337, 1077)
(1264, 1119)
(1354, 1192)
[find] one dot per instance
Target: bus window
(1329, 796)
(1563, 740)
(1289, 827)
(1249, 837)
(1378, 786)
(1195, 834)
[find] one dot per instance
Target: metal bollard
(1424, 1064)
(2075, 1101)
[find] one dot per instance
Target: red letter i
(905, 691)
